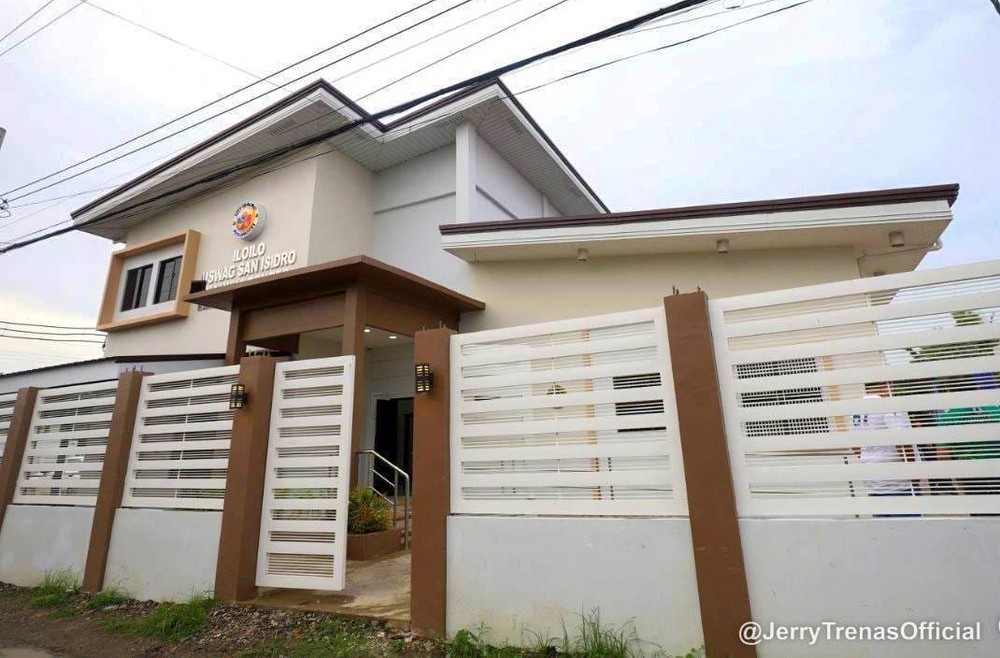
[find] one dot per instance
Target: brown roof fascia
(323, 85)
(825, 201)
(322, 280)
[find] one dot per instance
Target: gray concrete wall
(37, 538)
(522, 576)
(164, 555)
(875, 572)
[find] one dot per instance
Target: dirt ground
(80, 637)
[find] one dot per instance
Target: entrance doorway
(393, 438)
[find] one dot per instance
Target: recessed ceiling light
(368, 330)
(393, 337)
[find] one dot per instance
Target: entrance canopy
(353, 293)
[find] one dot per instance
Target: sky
(830, 96)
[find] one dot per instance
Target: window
(166, 284)
(136, 287)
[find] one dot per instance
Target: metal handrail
(397, 472)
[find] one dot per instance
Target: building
(462, 213)
(310, 230)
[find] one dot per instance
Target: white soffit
(865, 228)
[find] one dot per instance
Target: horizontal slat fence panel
(180, 445)
(871, 396)
(64, 454)
(303, 529)
(7, 401)
(574, 417)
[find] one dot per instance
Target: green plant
(334, 638)
(106, 597)
(594, 639)
(57, 588)
(169, 622)
(367, 512)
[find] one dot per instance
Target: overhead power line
(51, 22)
(996, 5)
(172, 40)
(33, 14)
(53, 340)
(277, 153)
(68, 334)
(222, 98)
(334, 80)
(43, 326)
(676, 7)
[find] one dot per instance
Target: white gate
(7, 401)
(180, 445)
(575, 417)
(64, 455)
(870, 396)
(303, 529)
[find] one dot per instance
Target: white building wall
(388, 375)
(525, 577)
(287, 196)
(409, 238)
(502, 192)
(525, 292)
(36, 539)
(873, 572)
(342, 213)
(164, 555)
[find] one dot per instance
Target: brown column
(432, 486)
(13, 451)
(236, 570)
(718, 553)
(236, 347)
(354, 343)
(113, 473)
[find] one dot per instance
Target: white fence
(303, 529)
(64, 454)
(872, 396)
(573, 417)
(7, 401)
(180, 446)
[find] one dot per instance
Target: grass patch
(169, 622)
(106, 597)
(57, 589)
(334, 638)
(591, 639)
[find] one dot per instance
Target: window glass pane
(136, 287)
(166, 286)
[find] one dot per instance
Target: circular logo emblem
(248, 221)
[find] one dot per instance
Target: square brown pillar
(113, 474)
(13, 451)
(236, 569)
(431, 486)
(355, 304)
(718, 552)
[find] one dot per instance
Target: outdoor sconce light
(238, 396)
(722, 246)
(897, 239)
(423, 377)
(198, 285)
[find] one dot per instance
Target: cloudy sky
(830, 96)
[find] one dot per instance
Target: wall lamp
(238, 396)
(423, 377)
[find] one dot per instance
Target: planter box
(374, 544)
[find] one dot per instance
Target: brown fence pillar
(113, 473)
(236, 569)
(353, 342)
(718, 552)
(431, 486)
(13, 451)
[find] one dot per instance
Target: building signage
(248, 221)
(253, 260)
